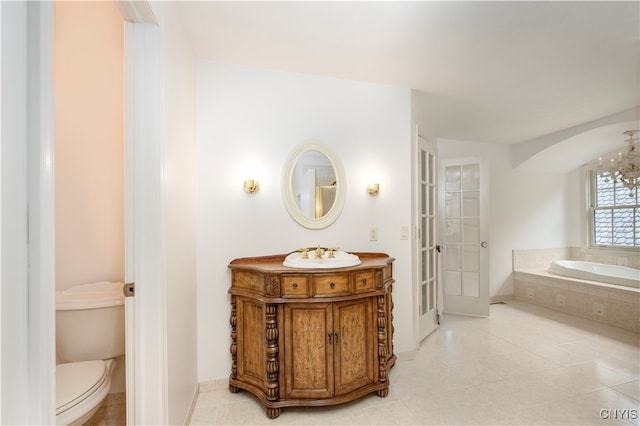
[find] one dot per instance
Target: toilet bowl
(89, 335)
(80, 389)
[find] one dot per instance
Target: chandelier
(625, 168)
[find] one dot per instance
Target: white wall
(528, 209)
(89, 120)
(180, 213)
(576, 220)
(248, 121)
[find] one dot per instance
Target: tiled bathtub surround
(541, 258)
(630, 260)
(609, 304)
(537, 260)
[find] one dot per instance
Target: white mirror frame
(287, 191)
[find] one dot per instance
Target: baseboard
(192, 406)
(501, 298)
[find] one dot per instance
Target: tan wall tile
(621, 315)
(599, 308)
(621, 297)
(579, 304)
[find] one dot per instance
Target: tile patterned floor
(525, 365)
(111, 413)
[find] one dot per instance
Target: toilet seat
(80, 389)
(76, 381)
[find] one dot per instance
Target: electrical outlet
(529, 292)
(373, 234)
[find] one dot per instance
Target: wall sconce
(251, 186)
(373, 189)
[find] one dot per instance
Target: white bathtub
(610, 274)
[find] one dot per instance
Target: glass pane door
(465, 258)
(427, 196)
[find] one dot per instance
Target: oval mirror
(313, 186)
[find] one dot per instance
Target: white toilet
(89, 335)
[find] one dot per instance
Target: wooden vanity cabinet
(311, 337)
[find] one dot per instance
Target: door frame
(27, 266)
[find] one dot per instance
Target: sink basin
(341, 259)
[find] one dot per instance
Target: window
(615, 214)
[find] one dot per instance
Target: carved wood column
(382, 343)
(273, 364)
(273, 367)
(392, 328)
(233, 320)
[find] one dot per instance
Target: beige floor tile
(631, 389)
(557, 354)
(113, 412)
(612, 399)
(585, 377)
(630, 369)
(524, 365)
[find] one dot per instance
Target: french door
(465, 263)
(426, 238)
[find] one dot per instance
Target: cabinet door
(308, 362)
(354, 324)
(251, 357)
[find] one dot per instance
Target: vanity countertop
(273, 263)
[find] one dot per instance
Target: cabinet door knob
(332, 285)
(364, 281)
(337, 337)
(330, 338)
(295, 285)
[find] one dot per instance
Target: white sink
(340, 259)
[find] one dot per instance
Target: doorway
(89, 156)
(463, 206)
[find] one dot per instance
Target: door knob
(483, 244)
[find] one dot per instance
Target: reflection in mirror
(314, 184)
(325, 198)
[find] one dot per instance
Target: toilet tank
(90, 322)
